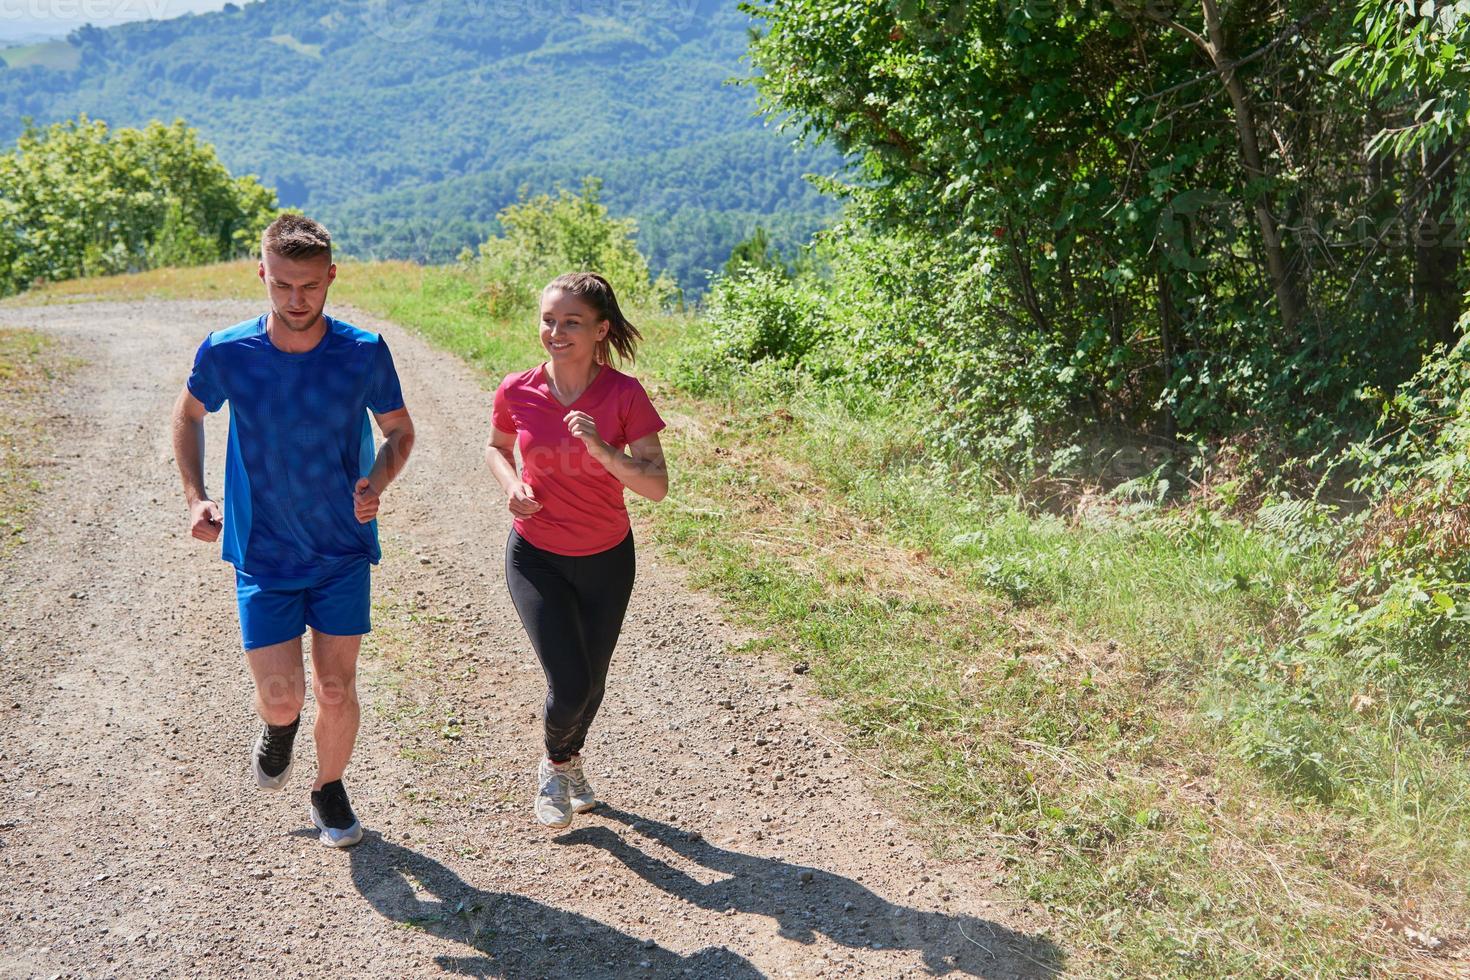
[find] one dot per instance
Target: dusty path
(740, 841)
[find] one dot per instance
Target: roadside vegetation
(31, 365)
(1157, 699)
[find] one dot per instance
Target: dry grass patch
(32, 367)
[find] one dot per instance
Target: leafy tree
(547, 235)
(1413, 62)
(79, 199)
(1166, 203)
(754, 252)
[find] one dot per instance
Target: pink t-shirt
(582, 510)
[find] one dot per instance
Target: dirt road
(740, 841)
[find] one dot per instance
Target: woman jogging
(585, 431)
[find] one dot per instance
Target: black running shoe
(332, 814)
(271, 757)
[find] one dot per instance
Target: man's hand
(584, 427)
(364, 501)
(522, 501)
(204, 520)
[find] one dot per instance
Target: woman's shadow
(511, 935)
(807, 901)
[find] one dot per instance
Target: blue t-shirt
(300, 438)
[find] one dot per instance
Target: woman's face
(570, 329)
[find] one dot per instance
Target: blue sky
(27, 20)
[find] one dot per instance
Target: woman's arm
(641, 469)
(500, 456)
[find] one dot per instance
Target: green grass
(1066, 693)
(51, 54)
(1043, 685)
(30, 365)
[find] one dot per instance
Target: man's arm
(188, 430)
(393, 455)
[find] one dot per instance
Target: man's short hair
(295, 236)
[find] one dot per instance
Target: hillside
(407, 127)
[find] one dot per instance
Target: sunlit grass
(224, 280)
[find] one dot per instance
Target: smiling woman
(569, 560)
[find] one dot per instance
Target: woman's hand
(522, 501)
(584, 427)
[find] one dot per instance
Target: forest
(1208, 253)
(407, 127)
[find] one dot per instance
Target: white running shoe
(553, 799)
(332, 814)
(270, 757)
(582, 796)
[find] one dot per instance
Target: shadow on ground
(806, 902)
(511, 935)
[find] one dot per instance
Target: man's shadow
(513, 936)
(807, 901)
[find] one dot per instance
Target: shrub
(760, 315)
(79, 199)
(545, 236)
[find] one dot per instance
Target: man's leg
(334, 683)
(338, 610)
(280, 681)
(280, 687)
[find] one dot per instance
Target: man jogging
(302, 483)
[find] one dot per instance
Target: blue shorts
(337, 603)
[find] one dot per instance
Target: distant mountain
(406, 124)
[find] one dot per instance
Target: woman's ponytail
(597, 293)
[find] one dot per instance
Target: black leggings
(572, 608)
